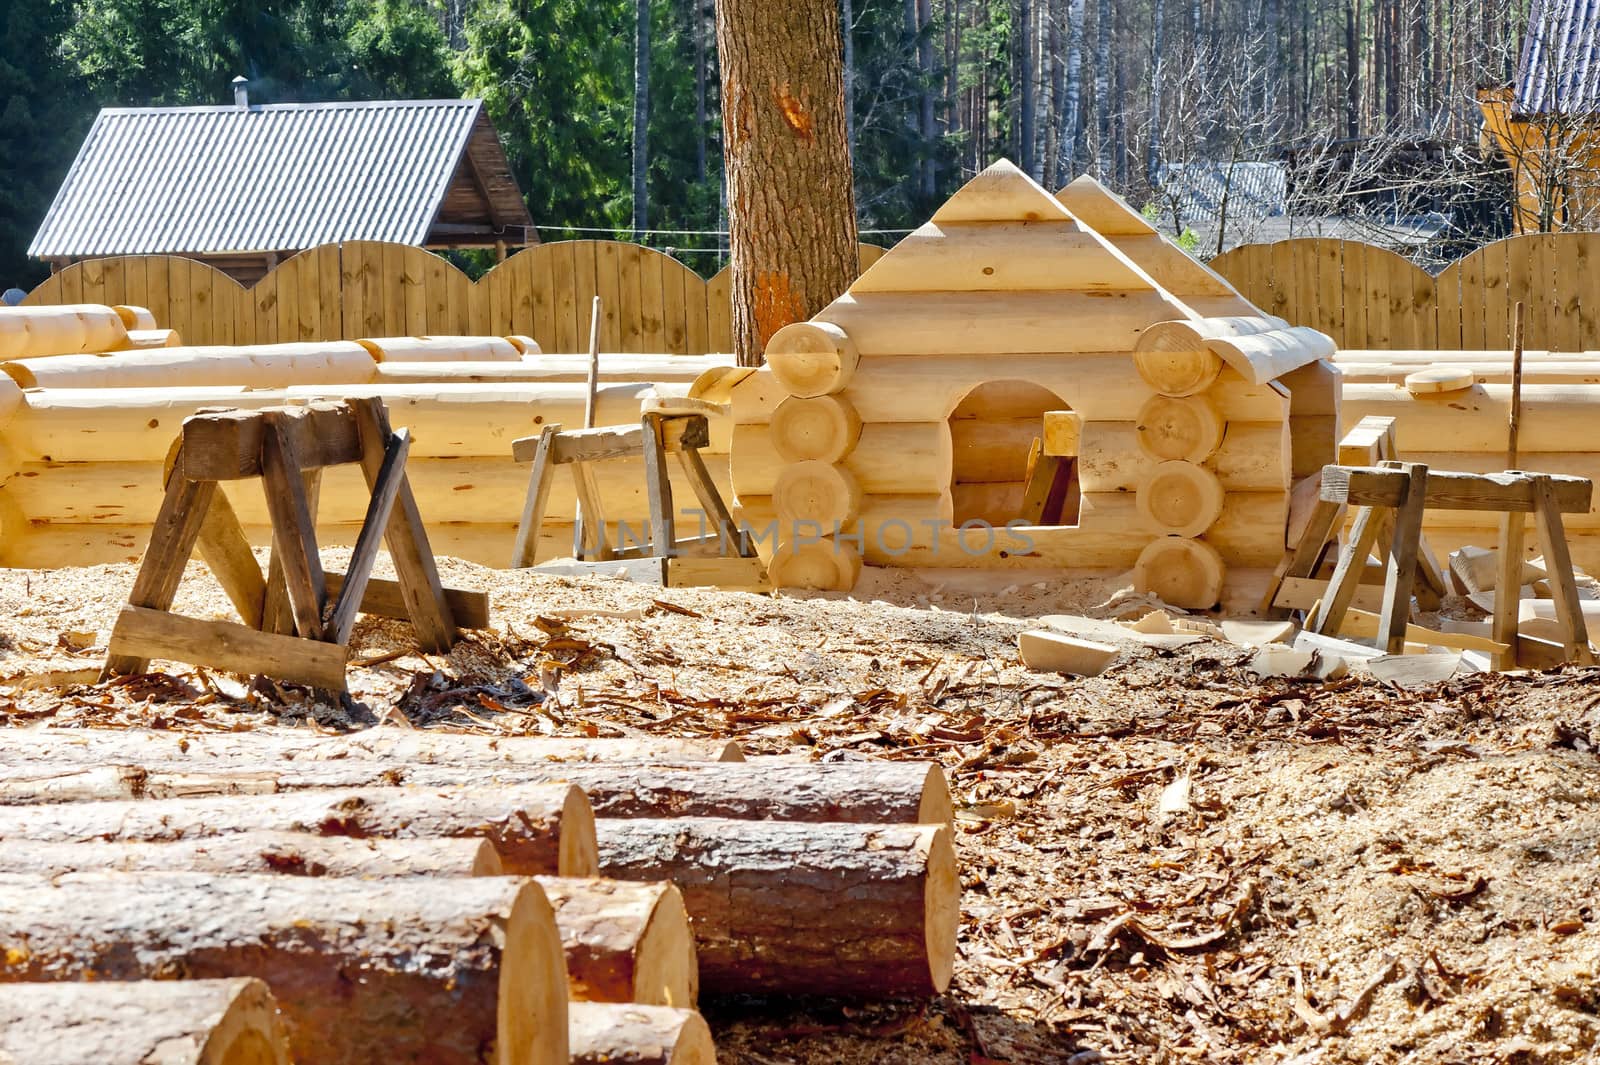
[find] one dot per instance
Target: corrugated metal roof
(1559, 72)
(1196, 191)
(207, 180)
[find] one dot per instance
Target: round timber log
(1185, 573)
(356, 965)
(625, 942)
(1180, 498)
(292, 853)
(1187, 428)
(608, 1034)
(811, 359)
(142, 1022)
(822, 565)
(819, 492)
(765, 901)
(824, 428)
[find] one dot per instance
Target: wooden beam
(615, 442)
(1448, 490)
(383, 599)
(294, 531)
(390, 477)
(537, 499)
(226, 551)
(1401, 564)
(1558, 562)
(226, 445)
(144, 633)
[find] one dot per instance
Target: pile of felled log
(419, 897)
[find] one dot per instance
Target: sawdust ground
(1344, 873)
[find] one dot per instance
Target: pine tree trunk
(1102, 87)
(847, 17)
(1025, 79)
(641, 117)
(791, 207)
(1352, 70)
(930, 126)
(1158, 48)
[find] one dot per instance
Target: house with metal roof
(1545, 122)
(243, 187)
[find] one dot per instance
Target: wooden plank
(518, 311)
(713, 511)
(1451, 490)
(294, 533)
(1448, 312)
(352, 263)
(719, 311)
(227, 553)
(1329, 286)
(226, 445)
(329, 323)
(564, 286)
(630, 273)
(1561, 251)
(1496, 308)
(584, 253)
(159, 296)
(607, 285)
(537, 499)
(658, 488)
(71, 286)
(1524, 283)
(406, 537)
(1558, 563)
(172, 538)
(541, 286)
(1585, 260)
(142, 634)
(1401, 567)
(117, 278)
(436, 288)
(652, 302)
(1364, 533)
(696, 329)
(387, 486)
(674, 314)
(1378, 292)
(1506, 607)
(590, 517)
(729, 574)
(1302, 593)
(1303, 559)
(276, 613)
(616, 441)
(413, 279)
(394, 288)
(383, 599)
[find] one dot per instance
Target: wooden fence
(651, 302)
(1362, 296)
(1366, 297)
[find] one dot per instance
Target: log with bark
(129, 746)
(142, 1022)
(625, 942)
(294, 853)
(783, 908)
(861, 792)
(440, 972)
(535, 828)
(610, 1034)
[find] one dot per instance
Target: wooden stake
(590, 535)
(1516, 389)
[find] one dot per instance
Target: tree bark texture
(293, 853)
(51, 746)
(791, 207)
(861, 792)
(605, 1034)
(142, 1022)
(535, 828)
(456, 972)
(859, 910)
(641, 117)
(625, 942)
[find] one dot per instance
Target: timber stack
(547, 933)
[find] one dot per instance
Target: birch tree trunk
(1072, 109)
(1102, 87)
(1158, 49)
(791, 208)
(641, 117)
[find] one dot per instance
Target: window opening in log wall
(996, 433)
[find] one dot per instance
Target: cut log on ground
(292, 853)
(535, 828)
(861, 792)
(142, 1022)
(625, 942)
(861, 910)
(606, 1034)
(363, 970)
(52, 746)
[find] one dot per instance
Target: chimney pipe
(241, 93)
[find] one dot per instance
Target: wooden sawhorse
(1396, 495)
(673, 427)
(297, 620)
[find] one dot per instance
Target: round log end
(942, 902)
(532, 1009)
(819, 492)
(811, 359)
(665, 970)
(825, 428)
(820, 565)
(612, 1034)
(1184, 573)
(136, 318)
(525, 345)
(935, 807)
(1187, 428)
(1436, 379)
(1180, 498)
(1178, 373)
(251, 1032)
(579, 854)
